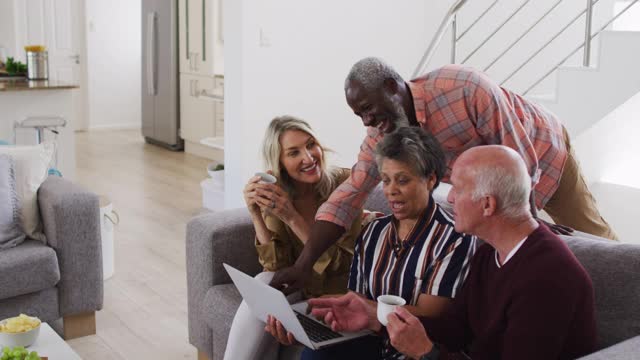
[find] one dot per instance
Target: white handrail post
(454, 35)
(586, 59)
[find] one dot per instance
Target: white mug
(266, 178)
(386, 305)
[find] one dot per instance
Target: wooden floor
(155, 192)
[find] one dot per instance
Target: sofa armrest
(213, 239)
(627, 349)
(71, 219)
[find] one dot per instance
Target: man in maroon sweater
(526, 297)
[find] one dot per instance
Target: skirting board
(203, 151)
(121, 126)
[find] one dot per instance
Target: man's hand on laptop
(349, 313)
(275, 328)
(290, 279)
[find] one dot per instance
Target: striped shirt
(433, 260)
(463, 108)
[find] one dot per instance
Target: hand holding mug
(271, 197)
(387, 304)
(250, 196)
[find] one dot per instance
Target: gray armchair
(227, 237)
(60, 282)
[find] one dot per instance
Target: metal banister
(587, 34)
(496, 30)
(477, 19)
(454, 32)
(450, 19)
(446, 21)
(521, 36)
(602, 28)
(545, 45)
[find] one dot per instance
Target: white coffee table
(52, 346)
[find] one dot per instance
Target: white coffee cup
(266, 178)
(386, 305)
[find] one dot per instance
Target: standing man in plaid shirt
(462, 108)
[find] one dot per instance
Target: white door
(59, 25)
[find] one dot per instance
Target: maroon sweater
(539, 305)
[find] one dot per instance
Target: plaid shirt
(462, 108)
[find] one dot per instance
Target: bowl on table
(20, 338)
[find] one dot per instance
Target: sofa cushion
(41, 304)
(615, 272)
(26, 268)
(377, 202)
(11, 233)
(628, 349)
(31, 165)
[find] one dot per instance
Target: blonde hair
(271, 150)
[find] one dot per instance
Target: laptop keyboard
(316, 331)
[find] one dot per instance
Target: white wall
(7, 27)
(629, 21)
(608, 154)
(299, 66)
(618, 204)
(609, 150)
(114, 68)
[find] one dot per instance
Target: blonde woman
(282, 215)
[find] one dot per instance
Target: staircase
(580, 95)
(585, 95)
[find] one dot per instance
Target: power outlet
(265, 40)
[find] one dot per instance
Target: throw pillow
(11, 233)
(31, 166)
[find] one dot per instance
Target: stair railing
(544, 46)
(586, 44)
(505, 22)
(450, 19)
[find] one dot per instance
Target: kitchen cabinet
(202, 114)
(200, 37)
(201, 77)
(219, 107)
(197, 112)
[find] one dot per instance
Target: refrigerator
(160, 94)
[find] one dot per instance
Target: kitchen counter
(23, 84)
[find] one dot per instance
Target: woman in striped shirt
(414, 252)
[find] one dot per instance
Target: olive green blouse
(330, 272)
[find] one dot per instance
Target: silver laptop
(264, 300)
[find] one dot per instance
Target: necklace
(397, 245)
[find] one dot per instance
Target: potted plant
(216, 171)
(15, 68)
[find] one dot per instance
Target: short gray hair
(510, 186)
(371, 72)
(416, 148)
(271, 151)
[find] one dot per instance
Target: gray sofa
(60, 282)
(228, 236)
